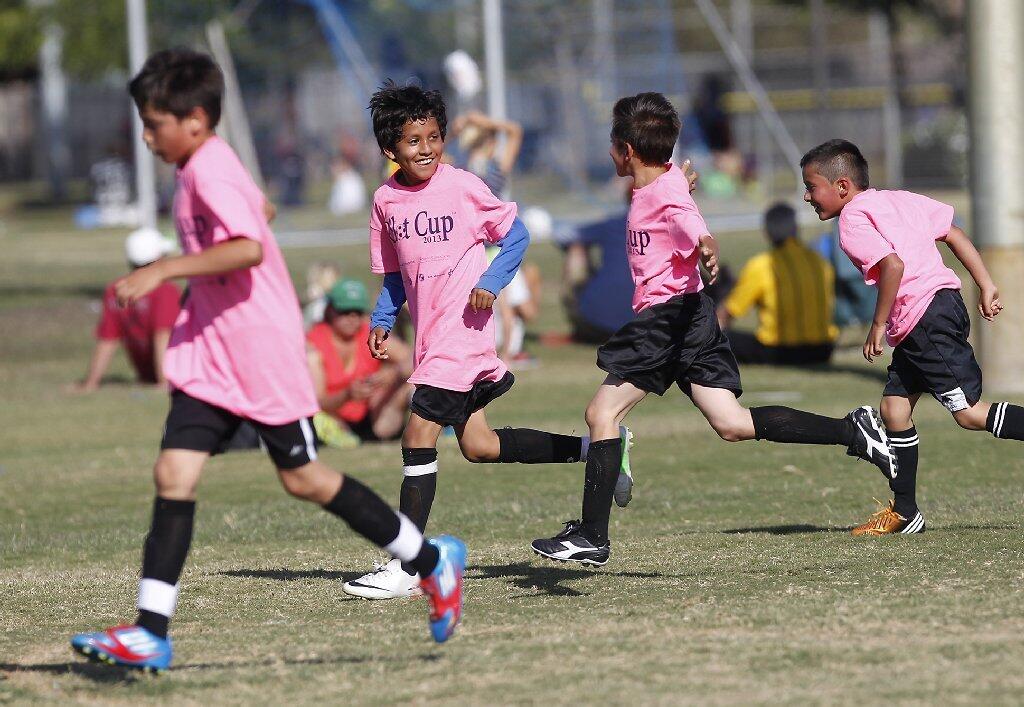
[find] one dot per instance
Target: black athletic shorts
(678, 341)
(197, 425)
(936, 358)
(453, 407)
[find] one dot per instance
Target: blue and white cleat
(127, 646)
(443, 586)
(624, 484)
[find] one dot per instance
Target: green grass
(732, 580)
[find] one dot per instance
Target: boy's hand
(691, 175)
(709, 256)
(378, 343)
(875, 342)
(138, 284)
(989, 304)
(480, 299)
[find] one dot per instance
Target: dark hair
(838, 158)
(392, 106)
(177, 81)
(649, 123)
(780, 222)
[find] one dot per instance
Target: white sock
(409, 541)
(158, 597)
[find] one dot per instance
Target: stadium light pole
(494, 56)
(145, 177)
(995, 36)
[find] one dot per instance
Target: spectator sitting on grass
(792, 288)
(143, 327)
(359, 395)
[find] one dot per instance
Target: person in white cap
(143, 327)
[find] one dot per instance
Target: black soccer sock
(1005, 421)
(776, 423)
(904, 486)
(603, 462)
(419, 484)
(369, 516)
(528, 446)
(163, 556)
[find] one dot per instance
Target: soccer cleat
(443, 586)
(886, 521)
(387, 581)
(573, 545)
(127, 646)
(872, 443)
(624, 484)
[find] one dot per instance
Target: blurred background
(757, 81)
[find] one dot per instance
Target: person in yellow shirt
(792, 288)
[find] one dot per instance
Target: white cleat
(387, 581)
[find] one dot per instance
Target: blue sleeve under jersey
(392, 297)
(503, 268)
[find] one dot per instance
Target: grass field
(732, 580)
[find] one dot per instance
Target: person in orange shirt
(368, 396)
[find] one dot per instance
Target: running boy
(675, 337)
(428, 228)
(236, 353)
(891, 236)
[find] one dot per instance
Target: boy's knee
(172, 481)
(973, 418)
(598, 415)
(729, 430)
(310, 483)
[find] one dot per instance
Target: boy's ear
(197, 119)
(844, 186)
(389, 154)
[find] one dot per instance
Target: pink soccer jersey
(876, 223)
(663, 230)
(434, 234)
(238, 341)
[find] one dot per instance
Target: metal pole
(996, 81)
(494, 56)
(746, 75)
(145, 181)
(881, 44)
(54, 93)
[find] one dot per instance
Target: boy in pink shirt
(428, 228)
(891, 237)
(236, 353)
(675, 337)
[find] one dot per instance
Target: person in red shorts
(368, 396)
(143, 327)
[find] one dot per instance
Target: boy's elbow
(254, 253)
(892, 263)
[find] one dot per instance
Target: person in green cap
(367, 396)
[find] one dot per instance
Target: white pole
(741, 66)
(145, 181)
(995, 40)
(494, 56)
(880, 41)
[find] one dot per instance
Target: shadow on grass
(804, 528)
(549, 579)
(102, 673)
(53, 290)
(796, 529)
(286, 575)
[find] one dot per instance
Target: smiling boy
(429, 224)
(891, 237)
